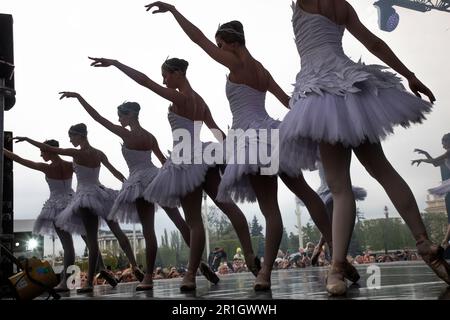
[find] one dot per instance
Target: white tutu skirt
(297, 155)
(359, 193)
(97, 198)
(235, 184)
(174, 181)
(242, 162)
(442, 189)
(124, 207)
(363, 104)
(44, 224)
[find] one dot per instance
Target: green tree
(380, 234)
(141, 259)
(110, 259)
(436, 225)
(256, 228)
(122, 261)
(258, 243)
(293, 242)
(219, 224)
(180, 248)
(310, 233)
(82, 264)
(165, 239)
(284, 244)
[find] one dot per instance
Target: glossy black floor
(398, 280)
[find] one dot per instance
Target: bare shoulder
(201, 109)
(150, 137)
(341, 10)
(96, 153)
(346, 10)
(341, 6)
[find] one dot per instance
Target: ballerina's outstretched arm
(434, 161)
(279, 93)
(157, 151)
(116, 173)
(380, 49)
(172, 95)
(71, 152)
(212, 125)
(227, 59)
(39, 166)
(116, 129)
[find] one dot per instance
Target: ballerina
(181, 182)
(58, 175)
(130, 205)
(246, 88)
(347, 106)
(91, 200)
(444, 188)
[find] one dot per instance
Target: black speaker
(7, 59)
(8, 195)
(7, 217)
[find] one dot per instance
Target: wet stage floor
(398, 280)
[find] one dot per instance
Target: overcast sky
(52, 40)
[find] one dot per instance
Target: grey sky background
(52, 40)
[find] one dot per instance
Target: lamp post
(386, 214)
(299, 223)
(205, 223)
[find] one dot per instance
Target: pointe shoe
(261, 284)
(433, 256)
(86, 289)
(144, 286)
(208, 273)
(315, 255)
(336, 285)
(255, 267)
(138, 274)
(350, 272)
(188, 284)
(109, 278)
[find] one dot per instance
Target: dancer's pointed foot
(336, 285)
(315, 255)
(262, 282)
(433, 255)
(146, 283)
(188, 283)
(254, 266)
(208, 273)
(138, 273)
(109, 277)
(350, 272)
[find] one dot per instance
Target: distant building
(435, 204)
(107, 240)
